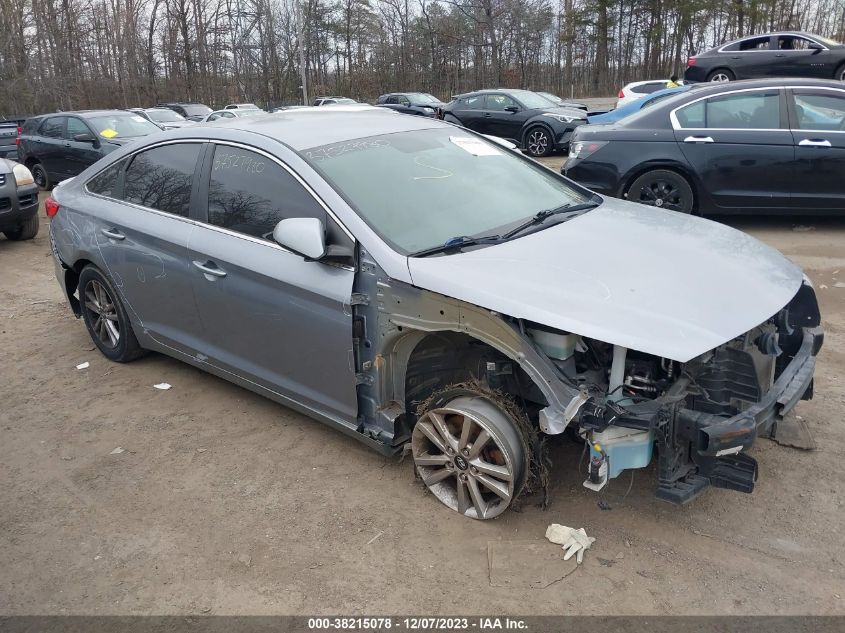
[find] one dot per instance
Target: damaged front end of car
(700, 415)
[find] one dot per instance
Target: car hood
(570, 112)
(651, 280)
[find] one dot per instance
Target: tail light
(621, 94)
(582, 149)
(18, 137)
(51, 207)
(691, 61)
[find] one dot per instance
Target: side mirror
(84, 138)
(815, 46)
(512, 108)
(304, 236)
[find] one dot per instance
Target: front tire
(105, 317)
(663, 189)
(721, 75)
(468, 452)
(538, 142)
(41, 177)
(26, 231)
(840, 73)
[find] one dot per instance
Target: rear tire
(538, 142)
(26, 231)
(721, 75)
(105, 317)
(41, 177)
(664, 189)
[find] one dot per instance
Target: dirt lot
(224, 502)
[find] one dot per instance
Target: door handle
(113, 234)
(487, 115)
(698, 139)
(210, 268)
(813, 142)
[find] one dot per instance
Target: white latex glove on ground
(574, 541)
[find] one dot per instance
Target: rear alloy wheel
(105, 317)
(538, 142)
(40, 176)
(26, 231)
(469, 455)
(721, 75)
(663, 189)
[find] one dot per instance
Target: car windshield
(422, 98)
(827, 41)
(196, 110)
(422, 188)
(344, 100)
(552, 98)
(249, 112)
(165, 116)
(122, 125)
(531, 100)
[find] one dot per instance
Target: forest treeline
(72, 54)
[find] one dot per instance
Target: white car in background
(228, 115)
(639, 89)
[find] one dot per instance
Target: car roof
(86, 114)
(304, 128)
(807, 34)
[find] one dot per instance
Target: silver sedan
(407, 281)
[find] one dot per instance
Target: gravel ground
(224, 502)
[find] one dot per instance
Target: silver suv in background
(407, 281)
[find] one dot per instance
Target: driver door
(499, 119)
(817, 118)
(268, 315)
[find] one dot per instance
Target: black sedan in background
(522, 116)
(757, 146)
(787, 54)
(418, 103)
(61, 145)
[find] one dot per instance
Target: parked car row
(498, 303)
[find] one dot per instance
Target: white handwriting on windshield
(339, 149)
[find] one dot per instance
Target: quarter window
(820, 112)
(250, 193)
(472, 103)
(54, 127)
(740, 111)
(161, 178)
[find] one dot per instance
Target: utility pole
(300, 35)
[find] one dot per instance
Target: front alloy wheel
(469, 455)
(539, 142)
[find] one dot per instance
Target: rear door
(268, 315)
(740, 145)
(817, 118)
(49, 146)
(470, 112)
(143, 239)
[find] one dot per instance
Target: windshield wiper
(570, 210)
(457, 243)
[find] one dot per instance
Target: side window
(250, 193)
(498, 102)
(691, 116)
(755, 44)
(75, 126)
(793, 43)
(820, 111)
(472, 103)
(227, 115)
(404, 101)
(745, 110)
(54, 127)
(161, 178)
(647, 89)
(105, 183)
(213, 117)
(392, 100)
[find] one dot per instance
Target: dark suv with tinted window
(61, 145)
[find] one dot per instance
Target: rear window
(161, 178)
(647, 89)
